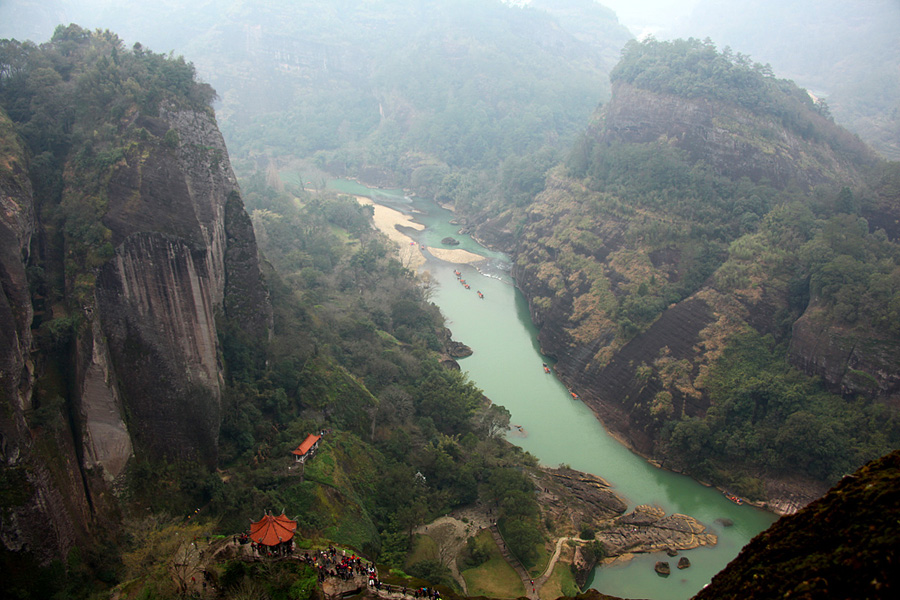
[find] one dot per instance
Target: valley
(636, 298)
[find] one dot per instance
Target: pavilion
(307, 449)
(274, 533)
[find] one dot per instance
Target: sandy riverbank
(387, 220)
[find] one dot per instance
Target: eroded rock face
(185, 249)
(107, 441)
(142, 364)
(851, 363)
(155, 304)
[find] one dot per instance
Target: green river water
(507, 366)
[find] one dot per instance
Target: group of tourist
(330, 563)
(284, 549)
(334, 563)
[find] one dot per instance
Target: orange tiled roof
(307, 444)
(270, 530)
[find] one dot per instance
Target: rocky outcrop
(137, 366)
(452, 348)
(850, 362)
(184, 251)
(649, 529)
(587, 498)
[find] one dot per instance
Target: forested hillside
(106, 149)
(713, 263)
(709, 233)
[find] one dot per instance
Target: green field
(494, 578)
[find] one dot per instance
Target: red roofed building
(308, 448)
(271, 531)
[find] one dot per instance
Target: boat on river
(736, 499)
(546, 368)
(480, 295)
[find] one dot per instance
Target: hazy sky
(650, 16)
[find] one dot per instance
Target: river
(507, 365)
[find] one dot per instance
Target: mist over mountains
(709, 257)
(841, 51)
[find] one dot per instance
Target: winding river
(507, 366)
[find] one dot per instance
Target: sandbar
(387, 220)
(411, 254)
(455, 255)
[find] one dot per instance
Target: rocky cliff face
(141, 374)
(851, 361)
(170, 213)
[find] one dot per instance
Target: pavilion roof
(271, 531)
(308, 443)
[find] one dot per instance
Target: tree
(185, 566)
(493, 420)
(522, 537)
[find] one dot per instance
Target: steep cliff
(708, 202)
(179, 247)
(840, 546)
(125, 250)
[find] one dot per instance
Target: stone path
(530, 588)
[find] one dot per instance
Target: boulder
(449, 241)
(662, 568)
(684, 562)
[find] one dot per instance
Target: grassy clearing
(494, 578)
(424, 548)
(545, 552)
